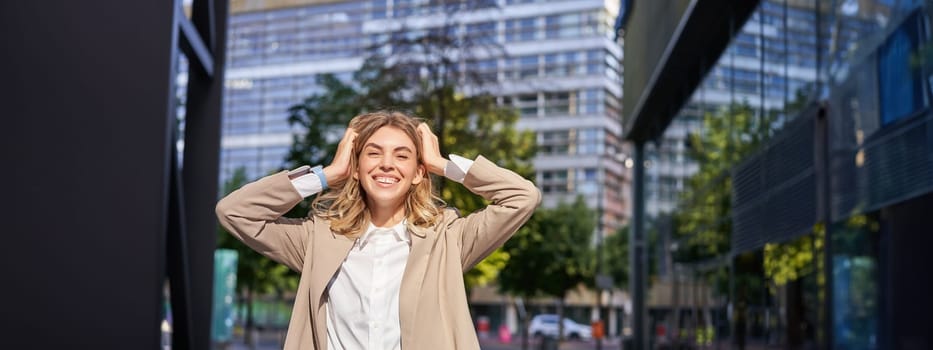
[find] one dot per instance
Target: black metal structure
(774, 196)
(700, 34)
(637, 253)
(99, 213)
(191, 244)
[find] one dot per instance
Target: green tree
(704, 220)
(552, 254)
(704, 216)
(616, 256)
(256, 274)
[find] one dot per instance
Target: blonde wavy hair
(345, 204)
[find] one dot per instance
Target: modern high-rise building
(558, 65)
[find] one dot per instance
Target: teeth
(386, 180)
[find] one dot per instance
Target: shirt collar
(399, 231)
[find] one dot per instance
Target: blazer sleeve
(513, 199)
(253, 214)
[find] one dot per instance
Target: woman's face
(388, 167)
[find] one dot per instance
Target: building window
(560, 103)
(558, 65)
(900, 85)
(482, 33)
(520, 29)
(554, 142)
(590, 141)
(572, 25)
(591, 101)
(595, 62)
(482, 70)
(526, 104)
(587, 182)
(556, 181)
(522, 67)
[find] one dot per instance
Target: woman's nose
(386, 163)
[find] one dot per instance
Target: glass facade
(865, 67)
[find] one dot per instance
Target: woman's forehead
(389, 137)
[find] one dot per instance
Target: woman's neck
(386, 217)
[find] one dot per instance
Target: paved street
(271, 341)
(494, 344)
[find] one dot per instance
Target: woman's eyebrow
(397, 149)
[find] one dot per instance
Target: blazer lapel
(421, 242)
(329, 251)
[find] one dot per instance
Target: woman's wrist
(438, 166)
(332, 175)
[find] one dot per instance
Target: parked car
(546, 325)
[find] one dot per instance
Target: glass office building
(771, 65)
(828, 217)
(559, 66)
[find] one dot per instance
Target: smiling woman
(381, 258)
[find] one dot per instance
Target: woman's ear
(419, 175)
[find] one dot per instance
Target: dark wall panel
(85, 95)
(906, 306)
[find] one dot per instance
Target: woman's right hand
(339, 169)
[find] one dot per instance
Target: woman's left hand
(430, 151)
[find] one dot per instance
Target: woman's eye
(372, 154)
(403, 157)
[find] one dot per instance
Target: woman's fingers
(430, 152)
(340, 167)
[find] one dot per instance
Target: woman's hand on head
(431, 151)
(339, 170)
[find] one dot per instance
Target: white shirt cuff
(457, 168)
(307, 184)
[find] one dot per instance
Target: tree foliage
(789, 261)
(704, 217)
(552, 254)
(616, 256)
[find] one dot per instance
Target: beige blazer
(432, 301)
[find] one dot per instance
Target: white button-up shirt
(362, 304)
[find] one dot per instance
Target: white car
(546, 325)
